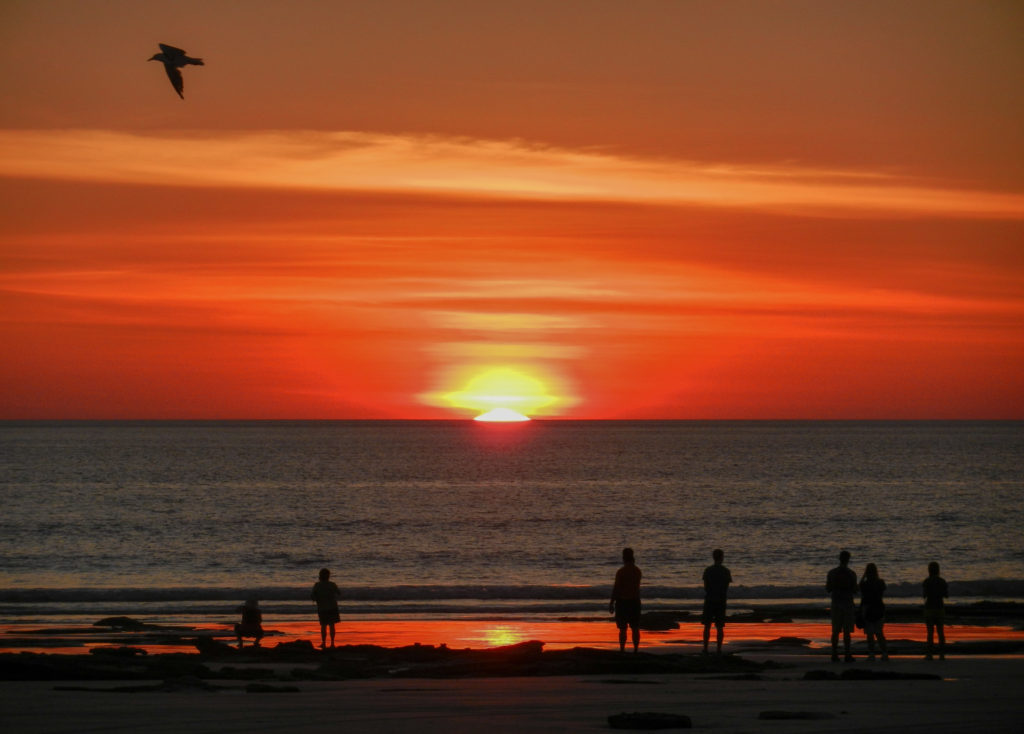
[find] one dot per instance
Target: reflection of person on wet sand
(251, 624)
(841, 584)
(625, 603)
(935, 593)
(716, 585)
(325, 594)
(873, 609)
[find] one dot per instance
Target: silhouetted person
(251, 624)
(841, 584)
(935, 593)
(872, 587)
(625, 603)
(716, 587)
(325, 594)
(173, 59)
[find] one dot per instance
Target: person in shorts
(325, 594)
(716, 586)
(625, 602)
(841, 584)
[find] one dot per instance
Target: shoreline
(661, 631)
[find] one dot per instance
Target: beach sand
(974, 694)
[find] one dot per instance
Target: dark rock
(649, 720)
(118, 652)
(122, 623)
(298, 646)
(187, 683)
(789, 715)
(529, 649)
(214, 648)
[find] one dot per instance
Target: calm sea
(462, 518)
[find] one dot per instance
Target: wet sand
(973, 694)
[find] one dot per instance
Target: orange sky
(591, 209)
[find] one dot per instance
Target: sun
(502, 415)
(503, 393)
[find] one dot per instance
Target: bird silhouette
(173, 59)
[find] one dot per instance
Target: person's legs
(636, 636)
(707, 635)
(323, 635)
(941, 629)
(622, 638)
(835, 641)
(881, 643)
(332, 634)
(721, 635)
(931, 637)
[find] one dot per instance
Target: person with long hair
(872, 608)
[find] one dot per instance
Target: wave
(426, 594)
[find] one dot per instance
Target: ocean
(457, 519)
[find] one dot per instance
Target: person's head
(844, 557)
(627, 555)
(325, 574)
(871, 571)
(933, 568)
(718, 555)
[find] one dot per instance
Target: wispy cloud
(356, 161)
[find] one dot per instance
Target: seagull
(174, 59)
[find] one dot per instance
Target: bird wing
(176, 81)
(172, 53)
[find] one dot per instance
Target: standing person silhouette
(716, 586)
(873, 608)
(625, 603)
(325, 594)
(841, 584)
(936, 591)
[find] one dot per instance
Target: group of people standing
(841, 583)
(625, 602)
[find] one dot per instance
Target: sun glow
(500, 393)
(501, 415)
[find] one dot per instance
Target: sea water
(450, 518)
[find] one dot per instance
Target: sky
(664, 209)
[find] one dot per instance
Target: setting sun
(501, 415)
(500, 393)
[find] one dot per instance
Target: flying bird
(173, 59)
